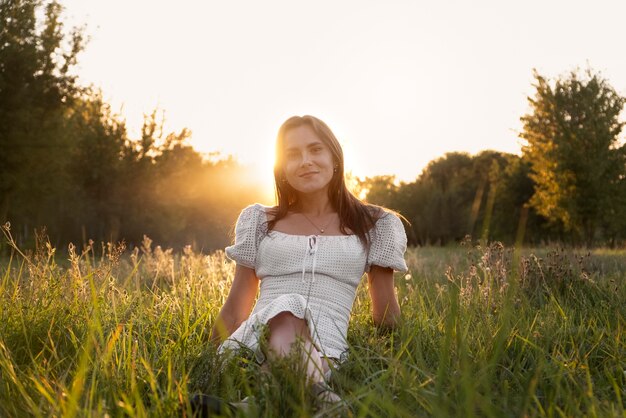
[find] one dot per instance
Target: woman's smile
(308, 165)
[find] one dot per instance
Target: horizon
(399, 84)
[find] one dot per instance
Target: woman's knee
(284, 329)
(286, 321)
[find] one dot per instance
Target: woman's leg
(284, 330)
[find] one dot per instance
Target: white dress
(312, 276)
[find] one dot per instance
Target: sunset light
(445, 236)
(401, 83)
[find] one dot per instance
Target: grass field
(487, 332)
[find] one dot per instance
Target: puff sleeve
(247, 234)
(388, 244)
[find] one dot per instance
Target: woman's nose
(306, 159)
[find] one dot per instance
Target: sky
(400, 83)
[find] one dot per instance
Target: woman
(308, 255)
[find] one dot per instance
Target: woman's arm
(238, 304)
(385, 308)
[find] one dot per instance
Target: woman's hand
(385, 308)
(238, 305)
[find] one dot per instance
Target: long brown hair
(354, 214)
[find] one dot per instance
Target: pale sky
(399, 82)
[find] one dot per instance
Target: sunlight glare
(262, 173)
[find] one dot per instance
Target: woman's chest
(341, 257)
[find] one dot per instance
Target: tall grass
(487, 331)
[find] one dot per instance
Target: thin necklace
(315, 225)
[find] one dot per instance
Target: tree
(572, 144)
(67, 163)
(452, 183)
(380, 190)
(98, 142)
(36, 86)
(513, 220)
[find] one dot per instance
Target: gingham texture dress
(312, 276)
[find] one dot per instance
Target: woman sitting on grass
(308, 255)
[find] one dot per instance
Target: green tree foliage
(450, 181)
(96, 167)
(569, 184)
(66, 161)
(380, 189)
(484, 196)
(36, 86)
(572, 145)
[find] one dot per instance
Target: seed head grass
(487, 331)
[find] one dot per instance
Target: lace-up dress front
(312, 276)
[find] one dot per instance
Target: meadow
(488, 331)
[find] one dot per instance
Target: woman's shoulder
(379, 213)
(268, 210)
(259, 211)
(389, 229)
(257, 207)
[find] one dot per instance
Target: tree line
(67, 162)
(568, 186)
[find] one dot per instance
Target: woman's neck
(316, 204)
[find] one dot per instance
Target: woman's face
(308, 162)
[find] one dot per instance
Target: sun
(261, 173)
